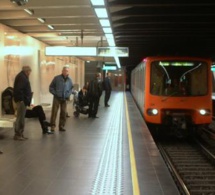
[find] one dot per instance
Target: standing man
(94, 93)
(22, 97)
(100, 82)
(61, 88)
(107, 88)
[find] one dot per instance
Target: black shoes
(62, 129)
(107, 105)
(47, 124)
(1, 152)
(47, 131)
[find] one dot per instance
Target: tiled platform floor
(91, 157)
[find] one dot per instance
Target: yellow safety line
(135, 182)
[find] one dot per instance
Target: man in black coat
(22, 97)
(94, 93)
(107, 88)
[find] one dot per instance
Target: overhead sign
(109, 67)
(112, 51)
(70, 51)
(86, 51)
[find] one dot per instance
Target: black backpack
(7, 101)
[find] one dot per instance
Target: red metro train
(174, 91)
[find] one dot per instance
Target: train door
(117, 80)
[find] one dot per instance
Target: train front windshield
(179, 78)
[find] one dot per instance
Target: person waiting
(107, 88)
(83, 97)
(38, 112)
(94, 91)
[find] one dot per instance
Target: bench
(7, 121)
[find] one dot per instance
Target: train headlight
(204, 112)
(152, 112)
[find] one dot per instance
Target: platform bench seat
(7, 121)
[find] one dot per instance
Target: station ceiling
(146, 27)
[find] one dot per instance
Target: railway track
(191, 164)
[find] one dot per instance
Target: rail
(176, 176)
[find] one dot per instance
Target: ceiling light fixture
(111, 42)
(117, 62)
(104, 22)
(97, 2)
(109, 36)
(19, 2)
(107, 30)
(101, 12)
(30, 12)
(51, 27)
(41, 20)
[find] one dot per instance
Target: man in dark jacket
(22, 97)
(94, 93)
(61, 88)
(107, 88)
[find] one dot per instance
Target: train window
(179, 78)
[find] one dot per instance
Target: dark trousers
(107, 97)
(93, 106)
(37, 112)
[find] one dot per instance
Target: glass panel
(179, 78)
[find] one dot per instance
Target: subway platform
(112, 155)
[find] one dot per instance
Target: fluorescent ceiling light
(30, 12)
(117, 62)
(107, 30)
(51, 27)
(71, 51)
(109, 36)
(97, 2)
(111, 42)
(104, 22)
(41, 20)
(101, 12)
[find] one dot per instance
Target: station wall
(17, 50)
